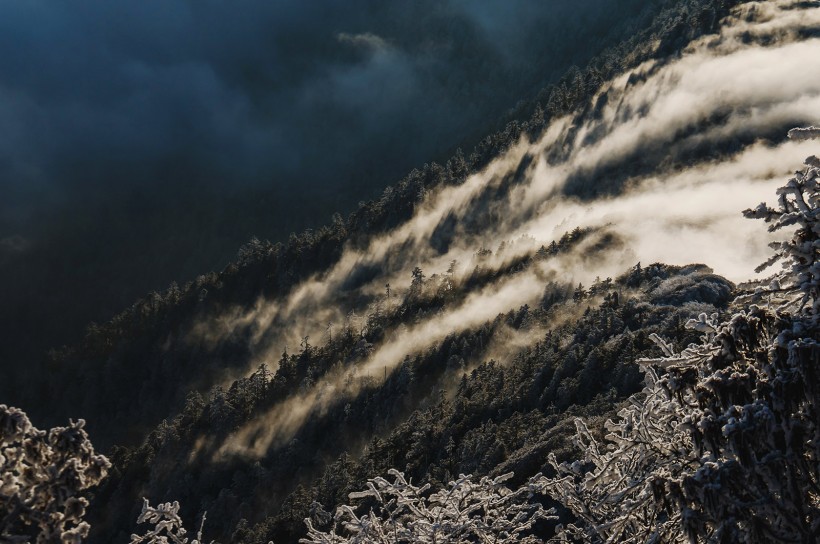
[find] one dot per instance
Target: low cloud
(721, 91)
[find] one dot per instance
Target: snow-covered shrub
(168, 527)
(465, 511)
(613, 490)
(42, 477)
(723, 445)
(797, 286)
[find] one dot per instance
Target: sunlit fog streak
(674, 211)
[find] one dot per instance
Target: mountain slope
(398, 311)
(186, 147)
(490, 399)
(144, 361)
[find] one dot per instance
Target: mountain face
(460, 322)
(492, 397)
(146, 144)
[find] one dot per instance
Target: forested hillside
(494, 398)
(197, 127)
(464, 321)
(268, 271)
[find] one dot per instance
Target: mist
(677, 207)
(143, 144)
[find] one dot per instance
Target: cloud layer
(144, 143)
(691, 126)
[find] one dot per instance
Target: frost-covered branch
(466, 511)
(616, 490)
(42, 477)
(796, 287)
(168, 527)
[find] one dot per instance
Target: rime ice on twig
(796, 287)
(465, 511)
(168, 527)
(42, 476)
